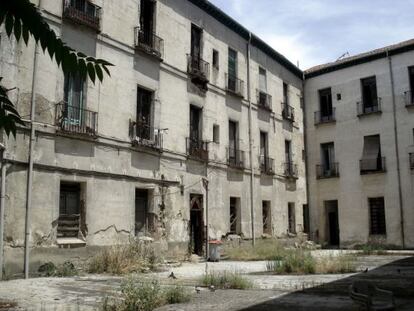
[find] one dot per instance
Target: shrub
(338, 264)
(64, 270)
(226, 280)
(295, 261)
(139, 295)
(372, 248)
(123, 259)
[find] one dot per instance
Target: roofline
(226, 20)
(381, 53)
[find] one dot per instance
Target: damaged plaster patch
(113, 227)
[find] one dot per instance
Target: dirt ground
(271, 292)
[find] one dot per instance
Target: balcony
(365, 109)
(369, 166)
(234, 85)
(290, 170)
(264, 100)
(411, 155)
(235, 158)
(266, 165)
(409, 99)
(197, 149)
(75, 120)
(288, 113)
(149, 43)
(198, 69)
(322, 118)
(143, 135)
(327, 171)
(82, 12)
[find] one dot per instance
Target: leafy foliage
(22, 20)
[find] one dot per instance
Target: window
(216, 133)
(291, 218)
(411, 77)
(196, 34)
(262, 80)
(377, 216)
(195, 123)
(328, 157)
(267, 217)
(233, 142)
(235, 221)
(372, 160)
(325, 104)
(146, 21)
(215, 59)
(144, 113)
(74, 98)
(285, 93)
(288, 151)
(263, 144)
(369, 95)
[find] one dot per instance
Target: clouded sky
(319, 31)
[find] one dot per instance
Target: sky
(314, 32)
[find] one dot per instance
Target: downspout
(250, 143)
(30, 169)
(2, 207)
(305, 142)
(397, 152)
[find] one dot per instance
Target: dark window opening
(411, 77)
(215, 59)
(144, 107)
(332, 222)
(370, 101)
(146, 21)
(291, 218)
(328, 156)
(267, 217)
(377, 216)
(232, 70)
(285, 94)
(196, 34)
(141, 211)
(233, 141)
(338, 96)
(288, 151)
(325, 102)
(263, 144)
(262, 80)
(235, 221)
(216, 133)
(195, 123)
(196, 224)
(372, 160)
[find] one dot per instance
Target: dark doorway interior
(196, 224)
(331, 208)
(69, 221)
(267, 217)
(141, 211)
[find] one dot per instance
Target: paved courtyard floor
(271, 292)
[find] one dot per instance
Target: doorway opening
(332, 222)
(196, 224)
(267, 217)
(235, 220)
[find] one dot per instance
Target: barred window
(377, 216)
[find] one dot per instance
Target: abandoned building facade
(360, 148)
(199, 126)
(199, 133)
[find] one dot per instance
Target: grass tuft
(269, 249)
(226, 280)
(124, 259)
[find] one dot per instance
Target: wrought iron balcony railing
(409, 98)
(327, 171)
(149, 42)
(411, 155)
(82, 12)
(76, 120)
(321, 118)
(264, 100)
(197, 149)
(266, 165)
(143, 135)
(368, 166)
(235, 158)
(234, 85)
(364, 108)
(288, 112)
(198, 68)
(290, 169)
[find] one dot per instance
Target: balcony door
(328, 156)
(74, 97)
(195, 124)
(232, 69)
(411, 75)
(144, 106)
(232, 140)
(288, 151)
(369, 94)
(196, 34)
(263, 144)
(146, 20)
(325, 102)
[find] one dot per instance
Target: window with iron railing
(290, 169)
(149, 42)
(321, 118)
(234, 85)
(198, 68)
(288, 112)
(76, 120)
(411, 158)
(264, 100)
(327, 171)
(197, 149)
(82, 12)
(266, 165)
(144, 135)
(372, 165)
(409, 98)
(235, 158)
(373, 107)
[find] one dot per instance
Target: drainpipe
(30, 169)
(250, 142)
(205, 184)
(397, 152)
(2, 206)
